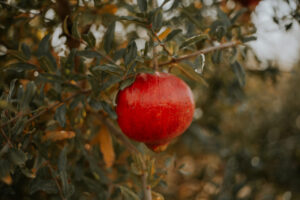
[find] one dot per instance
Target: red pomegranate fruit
(155, 109)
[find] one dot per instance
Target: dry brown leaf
(106, 146)
(164, 34)
(58, 135)
(108, 9)
(157, 196)
(7, 179)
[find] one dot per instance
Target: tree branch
(126, 142)
(7, 138)
(202, 51)
(50, 107)
(161, 43)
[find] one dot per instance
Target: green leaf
(18, 55)
(17, 157)
(28, 95)
(48, 186)
(131, 53)
(26, 51)
(46, 64)
(44, 50)
(68, 189)
(60, 115)
(70, 62)
(90, 39)
(216, 57)
(88, 54)
(129, 194)
(109, 68)
(109, 37)
(171, 35)
(126, 83)
(96, 105)
(133, 19)
(142, 5)
(107, 108)
(11, 89)
(62, 160)
(239, 72)
(157, 20)
(193, 40)
(20, 67)
(248, 39)
(110, 82)
(44, 46)
(5, 168)
(75, 31)
(190, 73)
(19, 126)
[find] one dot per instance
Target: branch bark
(202, 51)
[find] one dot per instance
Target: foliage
(59, 139)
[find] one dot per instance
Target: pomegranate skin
(155, 108)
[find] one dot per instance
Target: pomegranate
(155, 109)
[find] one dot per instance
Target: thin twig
(161, 43)
(20, 114)
(50, 107)
(56, 182)
(7, 139)
(203, 51)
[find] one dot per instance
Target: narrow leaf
(157, 21)
(90, 39)
(109, 68)
(107, 108)
(60, 115)
(26, 51)
(131, 53)
(48, 186)
(20, 67)
(248, 39)
(239, 72)
(128, 193)
(17, 157)
(109, 37)
(88, 54)
(142, 5)
(193, 40)
(172, 35)
(127, 83)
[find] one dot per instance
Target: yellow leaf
(106, 146)
(58, 135)
(164, 34)
(7, 179)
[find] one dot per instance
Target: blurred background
(244, 141)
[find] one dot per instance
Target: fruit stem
(155, 62)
